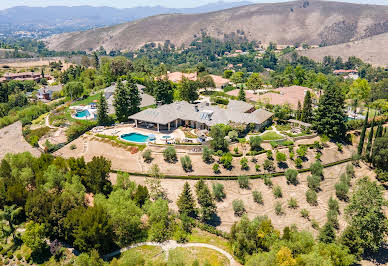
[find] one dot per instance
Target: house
(21, 76)
(201, 116)
(146, 100)
(287, 95)
(347, 74)
(46, 93)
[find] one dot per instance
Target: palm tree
(9, 214)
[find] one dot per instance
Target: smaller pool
(166, 137)
(135, 137)
(82, 114)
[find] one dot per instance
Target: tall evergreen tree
(330, 116)
(96, 60)
(299, 111)
(327, 233)
(379, 131)
(42, 74)
(307, 112)
(164, 92)
(370, 140)
(188, 90)
(121, 102)
(134, 97)
(362, 136)
(206, 201)
(186, 203)
(102, 111)
(241, 94)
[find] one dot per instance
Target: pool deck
(119, 130)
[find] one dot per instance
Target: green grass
(88, 100)
(151, 255)
(199, 236)
(202, 255)
(148, 107)
(271, 135)
(283, 127)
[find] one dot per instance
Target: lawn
(271, 135)
(88, 100)
(204, 256)
(152, 256)
(199, 236)
(283, 127)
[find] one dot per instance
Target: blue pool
(82, 114)
(135, 137)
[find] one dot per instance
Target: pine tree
(307, 112)
(299, 111)
(370, 140)
(96, 60)
(134, 98)
(186, 203)
(362, 136)
(121, 102)
(327, 233)
(241, 94)
(102, 111)
(206, 201)
(330, 116)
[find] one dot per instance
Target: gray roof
(201, 113)
(299, 123)
(54, 88)
(146, 99)
(239, 106)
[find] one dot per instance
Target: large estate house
(201, 116)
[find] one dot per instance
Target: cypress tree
(379, 131)
(370, 140)
(362, 136)
(206, 201)
(134, 98)
(42, 74)
(186, 203)
(307, 112)
(299, 111)
(241, 94)
(102, 111)
(121, 102)
(96, 60)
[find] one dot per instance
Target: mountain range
(57, 19)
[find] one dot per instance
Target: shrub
(255, 143)
(318, 156)
(216, 168)
(315, 224)
(333, 205)
(6, 262)
(73, 147)
(267, 181)
(254, 160)
(243, 181)
(186, 163)
(257, 167)
(10, 255)
(356, 159)
(316, 168)
(207, 155)
(226, 160)
(278, 208)
(298, 162)
(77, 129)
(292, 203)
(345, 179)
(350, 170)
(244, 163)
(169, 154)
(268, 165)
(238, 207)
(281, 157)
(257, 197)
(19, 256)
(218, 191)
(332, 217)
(292, 155)
(311, 197)
(269, 155)
(340, 147)
(314, 182)
(147, 156)
(302, 151)
(235, 150)
(341, 191)
(304, 213)
(292, 176)
(277, 192)
(233, 135)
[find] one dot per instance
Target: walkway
(172, 244)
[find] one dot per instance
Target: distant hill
(58, 19)
(371, 50)
(312, 22)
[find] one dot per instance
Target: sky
(131, 3)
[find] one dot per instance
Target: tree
(330, 117)
(228, 73)
(365, 214)
(96, 60)
(299, 111)
(169, 154)
(255, 143)
(307, 112)
(186, 203)
(237, 78)
(134, 98)
(218, 191)
(122, 102)
(362, 136)
(206, 201)
(207, 155)
(370, 140)
(359, 91)
(188, 90)
(255, 82)
(102, 111)
(292, 176)
(207, 82)
(96, 179)
(327, 233)
(11, 214)
(34, 237)
(241, 95)
(380, 153)
(160, 220)
(284, 257)
(164, 92)
(218, 142)
(85, 61)
(120, 66)
(73, 89)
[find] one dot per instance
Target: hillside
(369, 50)
(312, 22)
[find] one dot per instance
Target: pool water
(82, 114)
(135, 137)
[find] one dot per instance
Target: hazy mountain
(311, 22)
(58, 19)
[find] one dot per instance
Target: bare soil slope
(371, 50)
(312, 22)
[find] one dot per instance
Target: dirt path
(170, 245)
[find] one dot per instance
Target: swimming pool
(135, 137)
(82, 114)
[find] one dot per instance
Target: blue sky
(131, 3)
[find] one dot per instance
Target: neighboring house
(202, 116)
(287, 95)
(347, 74)
(146, 100)
(46, 93)
(22, 76)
